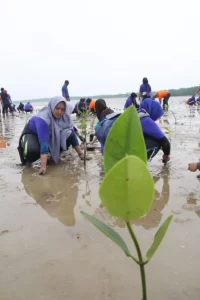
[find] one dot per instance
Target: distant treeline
(174, 92)
(184, 91)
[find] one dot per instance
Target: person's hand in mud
(43, 168)
(192, 167)
(81, 138)
(42, 171)
(165, 158)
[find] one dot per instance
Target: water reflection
(192, 204)
(56, 192)
(153, 218)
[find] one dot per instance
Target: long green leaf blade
(109, 232)
(127, 191)
(158, 237)
(125, 138)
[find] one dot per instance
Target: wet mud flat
(48, 251)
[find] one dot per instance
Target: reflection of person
(165, 95)
(145, 89)
(51, 130)
(131, 100)
(65, 92)
(153, 218)
(56, 195)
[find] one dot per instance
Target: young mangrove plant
(127, 190)
(83, 126)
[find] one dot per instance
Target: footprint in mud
(81, 238)
(182, 220)
(4, 232)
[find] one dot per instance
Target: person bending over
(149, 111)
(163, 95)
(50, 131)
(131, 100)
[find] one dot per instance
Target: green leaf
(125, 137)
(109, 232)
(158, 237)
(127, 191)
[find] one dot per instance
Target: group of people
(84, 105)
(25, 108)
(52, 131)
(9, 107)
(146, 93)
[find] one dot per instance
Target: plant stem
(141, 262)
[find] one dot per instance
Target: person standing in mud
(5, 101)
(145, 89)
(65, 92)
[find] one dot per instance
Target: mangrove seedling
(127, 191)
(83, 126)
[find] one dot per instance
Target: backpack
(104, 126)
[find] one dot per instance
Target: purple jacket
(145, 87)
(28, 106)
(41, 129)
(128, 102)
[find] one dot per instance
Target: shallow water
(48, 251)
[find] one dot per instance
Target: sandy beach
(49, 252)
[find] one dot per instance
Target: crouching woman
(50, 131)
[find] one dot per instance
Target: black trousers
(152, 146)
(6, 107)
(165, 100)
(29, 146)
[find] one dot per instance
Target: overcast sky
(100, 46)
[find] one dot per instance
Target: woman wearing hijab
(150, 111)
(50, 131)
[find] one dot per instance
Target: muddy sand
(49, 252)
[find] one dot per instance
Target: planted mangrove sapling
(127, 191)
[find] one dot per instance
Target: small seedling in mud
(83, 127)
(127, 191)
